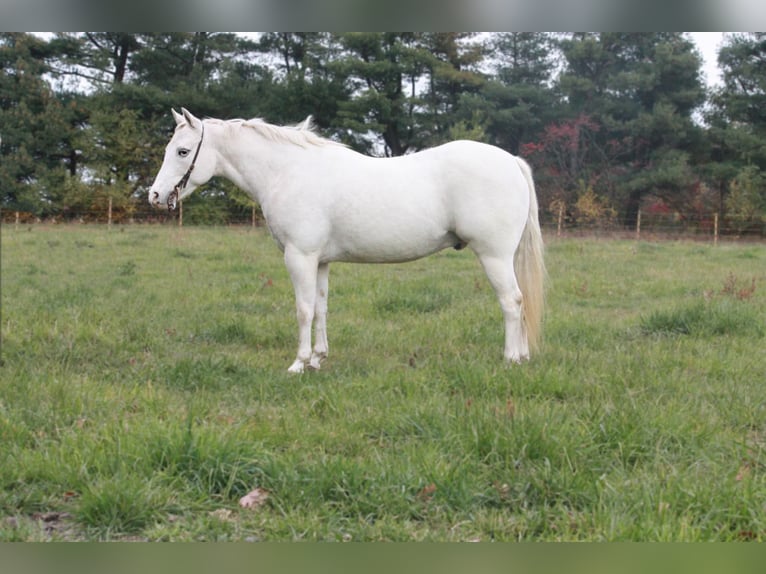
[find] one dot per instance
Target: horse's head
(187, 164)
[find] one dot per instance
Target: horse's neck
(250, 162)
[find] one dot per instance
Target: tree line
(612, 123)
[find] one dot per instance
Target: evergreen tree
(737, 118)
(517, 101)
(38, 129)
(641, 89)
(381, 71)
(305, 81)
(743, 98)
(453, 76)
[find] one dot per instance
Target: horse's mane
(302, 134)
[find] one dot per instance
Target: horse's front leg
(321, 347)
(303, 273)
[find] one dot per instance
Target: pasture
(144, 391)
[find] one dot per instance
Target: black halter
(174, 195)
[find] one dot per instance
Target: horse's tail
(530, 268)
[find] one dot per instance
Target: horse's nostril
(156, 195)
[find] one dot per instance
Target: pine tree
(38, 128)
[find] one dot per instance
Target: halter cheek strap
(174, 195)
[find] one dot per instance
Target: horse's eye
(183, 152)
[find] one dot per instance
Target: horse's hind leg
(303, 273)
(320, 317)
(503, 279)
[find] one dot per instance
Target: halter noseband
(173, 197)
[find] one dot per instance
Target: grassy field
(144, 391)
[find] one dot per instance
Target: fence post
(253, 217)
(638, 225)
(715, 229)
(180, 213)
(17, 220)
(561, 219)
(109, 215)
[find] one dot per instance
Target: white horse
(324, 202)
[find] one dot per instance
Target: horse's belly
(391, 246)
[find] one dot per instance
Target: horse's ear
(177, 117)
(190, 119)
(307, 124)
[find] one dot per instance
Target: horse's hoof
(315, 363)
(296, 367)
(516, 360)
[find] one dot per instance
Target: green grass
(144, 391)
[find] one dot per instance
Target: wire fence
(701, 226)
(138, 213)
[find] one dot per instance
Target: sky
(708, 44)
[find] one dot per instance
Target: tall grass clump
(202, 459)
(728, 311)
(705, 319)
(120, 505)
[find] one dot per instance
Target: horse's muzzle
(172, 201)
